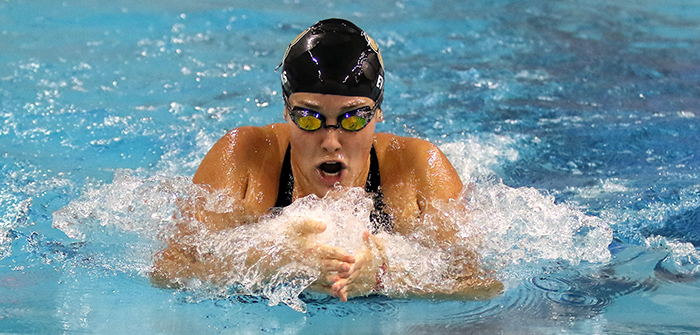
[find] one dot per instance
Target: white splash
(522, 226)
(14, 214)
(346, 216)
(509, 229)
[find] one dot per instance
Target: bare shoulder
(401, 143)
(403, 158)
(413, 153)
(251, 137)
(240, 150)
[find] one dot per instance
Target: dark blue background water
(600, 100)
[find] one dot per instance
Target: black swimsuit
(381, 220)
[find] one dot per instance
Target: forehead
(328, 102)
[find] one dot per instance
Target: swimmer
(332, 84)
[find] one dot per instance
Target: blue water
(594, 106)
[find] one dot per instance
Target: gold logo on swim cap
(294, 42)
(372, 44)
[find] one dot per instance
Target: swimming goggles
(310, 120)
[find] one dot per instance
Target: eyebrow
(349, 107)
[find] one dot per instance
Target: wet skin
(246, 164)
(316, 153)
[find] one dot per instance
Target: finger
(344, 274)
(339, 288)
(342, 294)
(327, 281)
(339, 284)
(307, 227)
(350, 290)
(345, 280)
(343, 283)
(335, 265)
(353, 275)
(328, 252)
(351, 271)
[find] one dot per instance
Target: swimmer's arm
(298, 245)
(439, 182)
(182, 261)
(435, 181)
(179, 263)
(373, 272)
(223, 177)
(225, 172)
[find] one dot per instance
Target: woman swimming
(333, 84)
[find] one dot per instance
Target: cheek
(306, 137)
(360, 145)
(304, 145)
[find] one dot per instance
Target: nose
(330, 140)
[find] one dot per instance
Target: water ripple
(587, 294)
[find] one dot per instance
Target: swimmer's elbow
(166, 269)
(162, 280)
(176, 264)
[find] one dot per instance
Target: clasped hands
(342, 275)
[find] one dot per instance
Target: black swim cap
(333, 56)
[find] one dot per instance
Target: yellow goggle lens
(309, 122)
(353, 123)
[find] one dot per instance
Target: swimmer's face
(330, 156)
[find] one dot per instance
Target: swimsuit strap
(381, 220)
(373, 178)
(286, 188)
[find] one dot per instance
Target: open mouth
(331, 168)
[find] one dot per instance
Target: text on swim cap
(380, 82)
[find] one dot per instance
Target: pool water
(575, 125)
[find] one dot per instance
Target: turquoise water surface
(576, 123)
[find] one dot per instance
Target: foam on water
(597, 110)
(670, 227)
(125, 223)
(14, 214)
(522, 226)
